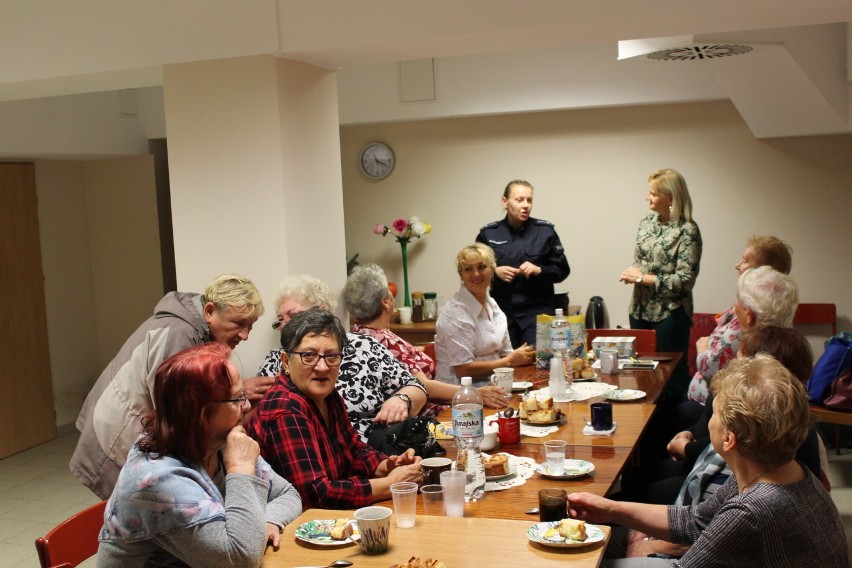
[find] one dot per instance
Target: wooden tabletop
(513, 502)
(452, 540)
(651, 381)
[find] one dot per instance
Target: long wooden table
(651, 381)
(459, 542)
(513, 502)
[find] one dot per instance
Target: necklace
(756, 477)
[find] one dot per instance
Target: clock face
(377, 160)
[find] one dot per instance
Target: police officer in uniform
(530, 260)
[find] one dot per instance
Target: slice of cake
(496, 465)
(573, 529)
(338, 530)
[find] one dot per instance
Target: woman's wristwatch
(639, 278)
(405, 397)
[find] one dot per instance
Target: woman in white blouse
(472, 337)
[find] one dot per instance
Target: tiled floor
(37, 492)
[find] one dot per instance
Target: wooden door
(27, 417)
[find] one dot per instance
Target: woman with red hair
(194, 488)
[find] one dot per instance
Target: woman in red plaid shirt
(304, 431)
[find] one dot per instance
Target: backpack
(836, 359)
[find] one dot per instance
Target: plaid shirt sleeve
(329, 466)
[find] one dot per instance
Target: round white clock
(377, 160)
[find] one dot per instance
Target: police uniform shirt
(535, 241)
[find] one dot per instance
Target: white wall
(101, 261)
(79, 126)
(255, 177)
(69, 293)
(589, 168)
(121, 202)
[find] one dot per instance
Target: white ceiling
(794, 83)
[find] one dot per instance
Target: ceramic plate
(537, 532)
(555, 422)
(594, 377)
(521, 386)
(625, 394)
(573, 469)
(318, 532)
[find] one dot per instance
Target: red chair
(646, 339)
(73, 540)
(703, 325)
(817, 314)
(429, 349)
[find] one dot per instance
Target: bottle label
(467, 422)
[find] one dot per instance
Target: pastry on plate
(573, 529)
(338, 532)
(496, 465)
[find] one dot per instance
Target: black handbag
(413, 432)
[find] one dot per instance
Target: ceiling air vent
(699, 52)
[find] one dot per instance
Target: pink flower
(399, 225)
(380, 229)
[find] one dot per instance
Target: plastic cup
(404, 496)
(453, 482)
(405, 315)
(554, 454)
(433, 499)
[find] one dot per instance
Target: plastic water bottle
(468, 430)
(560, 335)
(557, 384)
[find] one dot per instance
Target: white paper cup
(453, 482)
(404, 496)
(374, 526)
(404, 315)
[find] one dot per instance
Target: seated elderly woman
(771, 512)
(302, 428)
(376, 387)
(764, 297)
(792, 350)
(720, 347)
(472, 337)
(370, 304)
(194, 491)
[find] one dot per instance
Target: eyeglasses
(311, 359)
(240, 400)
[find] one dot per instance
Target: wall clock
(377, 160)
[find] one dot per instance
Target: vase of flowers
(403, 230)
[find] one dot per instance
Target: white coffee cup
(374, 526)
(609, 362)
(503, 377)
(404, 315)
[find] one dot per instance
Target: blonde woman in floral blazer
(665, 265)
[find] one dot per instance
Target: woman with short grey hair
(766, 297)
(370, 304)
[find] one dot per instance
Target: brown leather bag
(841, 392)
